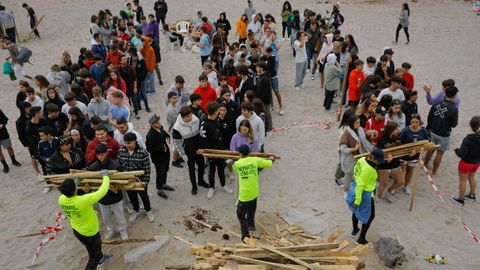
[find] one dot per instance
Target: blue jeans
(150, 82)
(141, 95)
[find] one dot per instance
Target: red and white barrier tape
(435, 188)
(52, 232)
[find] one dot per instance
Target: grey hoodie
(258, 127)
(100, 109)
(183, 96)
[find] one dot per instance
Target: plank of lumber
(97, 181)
(277, 230)
(262, 226)
(298, 254)
(336, 267)
(272, 264)
(29, 36)
(407, 146)
(178, 266)
(360, 249)
(293, 259)
(251, 267)
(334, 235)
(343, 245)
(307, 247)
(112, 174)
(132, 240)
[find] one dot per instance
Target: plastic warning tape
(52, 233)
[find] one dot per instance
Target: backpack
(23, 55)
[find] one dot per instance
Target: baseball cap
(381, 110)
(378, 155)
(244, 149)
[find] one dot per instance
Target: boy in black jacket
(443, 116)
(113, 200)
(211, 138)
(264, 89)
(269, 59)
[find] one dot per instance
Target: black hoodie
(111, 197)
(443, 116)
(469, 151)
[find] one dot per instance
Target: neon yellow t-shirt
(366, 178)
(79, 209)
(247, 170)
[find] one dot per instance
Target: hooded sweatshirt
(119, 136)
(186, 136)
(148, 54)
(443, 116)
(239, 139)
(182, 94)
(100, 109)
(327, 48)
(257, 124)
(469, 151)
(241, 29)
(331, 71)
(208, 95)
(112, 148)
(98, 47)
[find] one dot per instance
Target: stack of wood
(118, 180)
(405, 149)
(226, 154)
(278, 245)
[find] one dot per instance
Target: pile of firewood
(277, 245)
(118, 180)
(226, 154)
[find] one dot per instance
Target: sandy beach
(444, 40)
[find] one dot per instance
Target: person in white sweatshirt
(256, 122)
(124, 127)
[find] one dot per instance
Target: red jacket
(409, 81)
(112, 147)
(115, 58)
(208, 95)
(354, 81)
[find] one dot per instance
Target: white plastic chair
(182, 27)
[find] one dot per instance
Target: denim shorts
(274, 82)
(444, 142)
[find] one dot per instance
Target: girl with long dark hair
(404, 22)
(286, 21)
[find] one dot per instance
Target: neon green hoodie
(247, 170)
(366, 178)
(80, 211)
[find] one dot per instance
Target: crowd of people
(79, 115)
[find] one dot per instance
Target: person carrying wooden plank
(33, 19)
(360, 194)
(84, 222)
(247, 169)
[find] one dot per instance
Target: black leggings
(200, 169)
(327, 102)
(285, 29)
(399, 27)
(246, 216)
(94, 248)
(365, 227)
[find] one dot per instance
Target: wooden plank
(178, 266)
(336, 267)
(404, 147)
(29, 36)
(292, 258)
(262, 226)
(251, 267)
(255, 261)
(277, 230)
(343, 245)
(298, 254)
(334, 235)
(415, 180)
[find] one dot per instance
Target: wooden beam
(292, 258)
(29, 36)
(415, 180)
(271, 264)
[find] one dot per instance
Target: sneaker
(471, 197)
(129, 210)
(133, 216)
(6, 169)
(458, 201)
(167, 187)
(389, 197)
(210, 193)
(109, 235)
(361, 242)
(46, 190)
(272, 108)
(339, 183)
(162, 194)
(354, 233)
(148, 110)
(137, 116)
(194, 191)
(150, 216)
(177, 164)
(203, 184)
(308, 70)
(16, 163)
(297, 87)
(160, 82)
(123, 235)
(407, 190)
(227, 189)
(180, 160)
(313, 77)
(281, 112)
(106, 258)
(302, 86)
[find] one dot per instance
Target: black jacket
(247, 85)
(21, 123)
(57, 164)
(161, 9)
(3, 130)
(157, 145)
(210, 135)
(31, 132)
(443, 116)
(264, 88)
(228, 129)
(58, 125)
(469, 151)
(270, 61)
(111, 197)
(198, 112)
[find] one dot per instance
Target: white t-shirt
(79, 105)
(397, 94)
(300, 52)
(38, 102)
